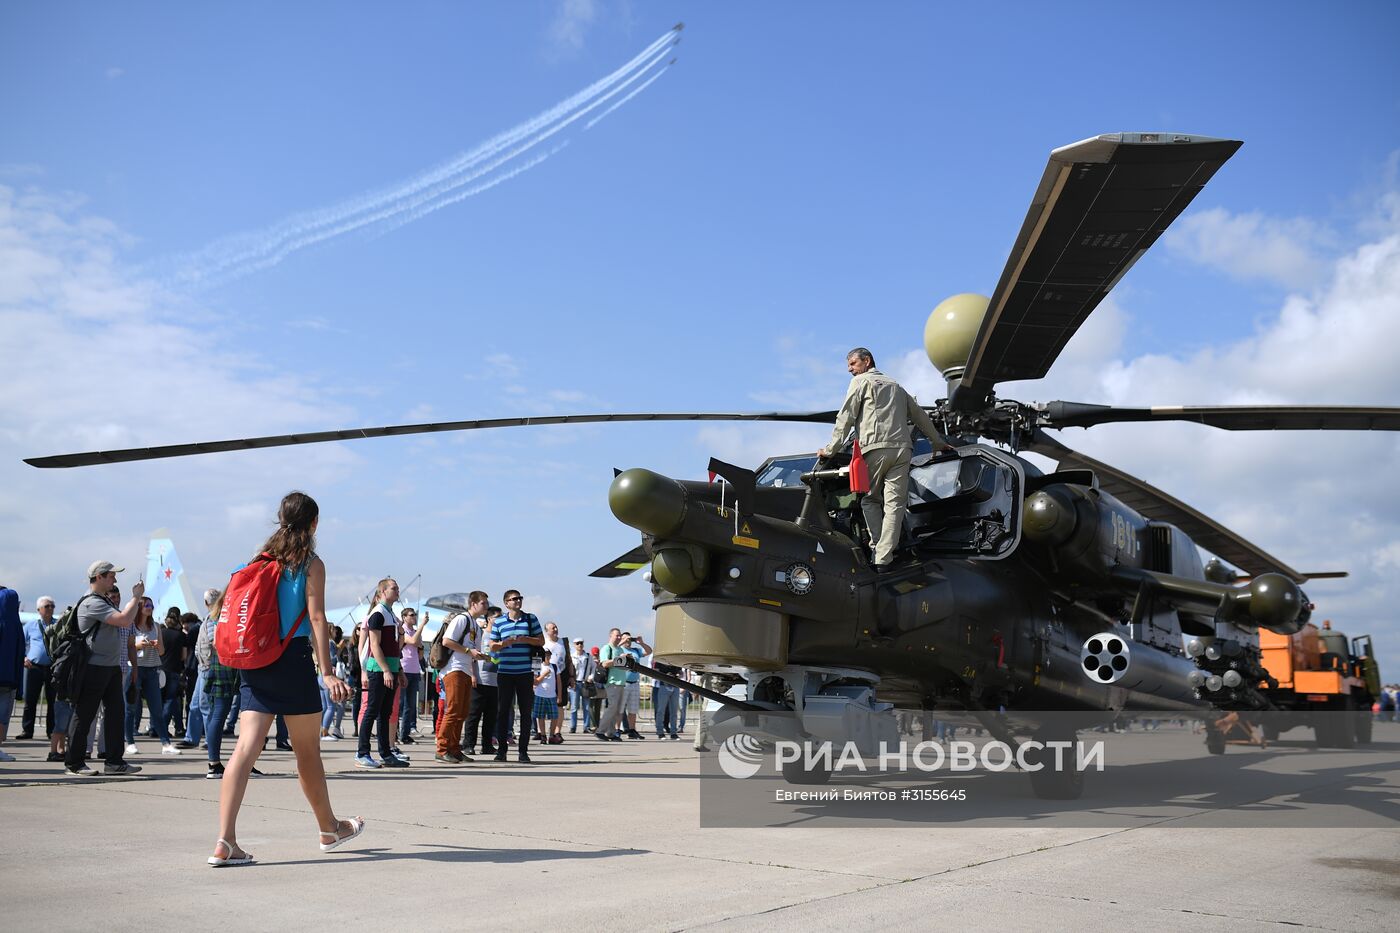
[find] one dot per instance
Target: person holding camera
(102, 625)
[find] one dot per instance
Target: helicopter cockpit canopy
(965, 503)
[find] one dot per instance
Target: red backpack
(249, 633)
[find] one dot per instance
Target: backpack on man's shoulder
(439, 655)
(69, 651)
(249, 633)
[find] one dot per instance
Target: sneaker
(634, 734)
(284, 746)
(337, 734)
(55, 756)
(675, 738)
(488, 751)
(365, 761)
(449, 758)
(407, 740)
(393, 761)
(399, 754)
(499, 756)
(255, 772)
(214, 771)
(83, 771)
(702, 748)
(6, 756)
(556, 740)
(168, 749)
(122, 768)
(186, 743)
(601, 738)
(330, 737)
(131, 749)
(523, 758)
(24, 736)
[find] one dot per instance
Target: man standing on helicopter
(881, 412)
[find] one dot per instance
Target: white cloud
(1316, 500)
(115, 72)
(104, 359)
(1252, 246)
(572, 20)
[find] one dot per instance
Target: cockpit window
(785, 471)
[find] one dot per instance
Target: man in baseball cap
(101, 683)
(100, 568)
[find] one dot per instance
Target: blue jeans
(682, 701)
(199, 710)
(664, 700)
(327, 708)
(147, 688)
(214, 725)
(579, 701)
(174, 709)
(408, 705)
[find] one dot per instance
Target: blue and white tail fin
(166, 585)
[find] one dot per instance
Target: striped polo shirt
(516, 658)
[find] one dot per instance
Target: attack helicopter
(1015, 589)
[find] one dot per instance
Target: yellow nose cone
(951, 328)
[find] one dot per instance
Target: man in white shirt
(584, 666)
(559, 660)
(461, 638)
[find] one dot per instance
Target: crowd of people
(504, 680)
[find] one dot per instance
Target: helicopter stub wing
(95, 457)
(1157, 505)
(1099, 206)
(632, 561)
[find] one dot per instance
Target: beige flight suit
(881, 412)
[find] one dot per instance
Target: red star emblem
(167, 573)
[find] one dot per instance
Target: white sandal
(357, 826)
(232, 860)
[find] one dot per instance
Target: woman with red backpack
(287, 686)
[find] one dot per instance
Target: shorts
(286, 687)
(632, 698)
(546, 708)
(7, 703)
(62, 715)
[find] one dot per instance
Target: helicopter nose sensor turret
(950, 330)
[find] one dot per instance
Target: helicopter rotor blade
(1100, 205)
(288, 440)
(1231, 417)
(1157, 505)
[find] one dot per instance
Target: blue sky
(805, 178)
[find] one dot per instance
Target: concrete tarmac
(606, 836)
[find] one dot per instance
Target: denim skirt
(286, 687)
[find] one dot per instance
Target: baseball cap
(578, 641)
(98, 567)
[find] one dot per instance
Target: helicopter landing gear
(1049, 782)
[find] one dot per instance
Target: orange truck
(1317, 676)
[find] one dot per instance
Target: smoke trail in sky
(419, 195)
(640, 88)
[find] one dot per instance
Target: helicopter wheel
(1215, 740)
(1048, 783)
(1363, 726)
(795, 773)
